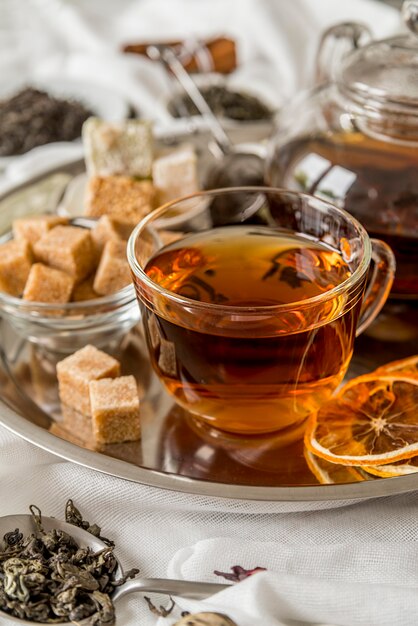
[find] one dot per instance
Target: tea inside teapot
(376, 182)
(354, 139)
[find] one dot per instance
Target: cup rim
(358, 273)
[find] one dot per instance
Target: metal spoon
(180, 588)
(235, 165)
(166, 56)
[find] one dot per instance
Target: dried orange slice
(403, 367)
(400, 468)
(372, 421)
(332, 473)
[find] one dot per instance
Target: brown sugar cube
(109, 229)
(76, 371)
(32, 228)
(84, 291)
(154, 331)
(121, 197)
(167, 358)
(67, 248)
(77, 422)
(113, 272)
(61, 430)
(43, 377)
(124, 147)
(46, 284)
(175, 174)
(115, 410)
(15, 264)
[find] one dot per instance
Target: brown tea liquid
(244, 375)
(376, 181)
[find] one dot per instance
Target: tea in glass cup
(251, 326)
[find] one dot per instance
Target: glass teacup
(251, 326)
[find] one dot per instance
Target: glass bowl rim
(119, 298)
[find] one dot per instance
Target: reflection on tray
(190, 448)
(173, 441)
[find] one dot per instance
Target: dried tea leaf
(239, 573)
(161, 611)
(73, 516)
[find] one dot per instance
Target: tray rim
(112, 466)
(45, 440)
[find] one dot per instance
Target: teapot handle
(336, 42)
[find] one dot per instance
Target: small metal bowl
(177, 108)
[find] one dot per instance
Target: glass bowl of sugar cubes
(66, 283)
(64, 276)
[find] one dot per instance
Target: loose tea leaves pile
(224, 102)
(33, 118)
(48, 577)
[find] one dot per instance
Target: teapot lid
(385, 73)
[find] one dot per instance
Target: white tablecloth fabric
(352, 565)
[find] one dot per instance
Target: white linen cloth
(353, 565)
(360, 583)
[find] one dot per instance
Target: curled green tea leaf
(161, 611)
(47, 577)
(74, 517)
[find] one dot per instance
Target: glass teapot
(353, 139)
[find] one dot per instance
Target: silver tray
(175, 452)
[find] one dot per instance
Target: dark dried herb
(161, 611)
(224, 102)
(239, 573)
(33, 118)
(74, 517)
(48, 577)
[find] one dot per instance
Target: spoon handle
(167, 56)
(181, 588)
